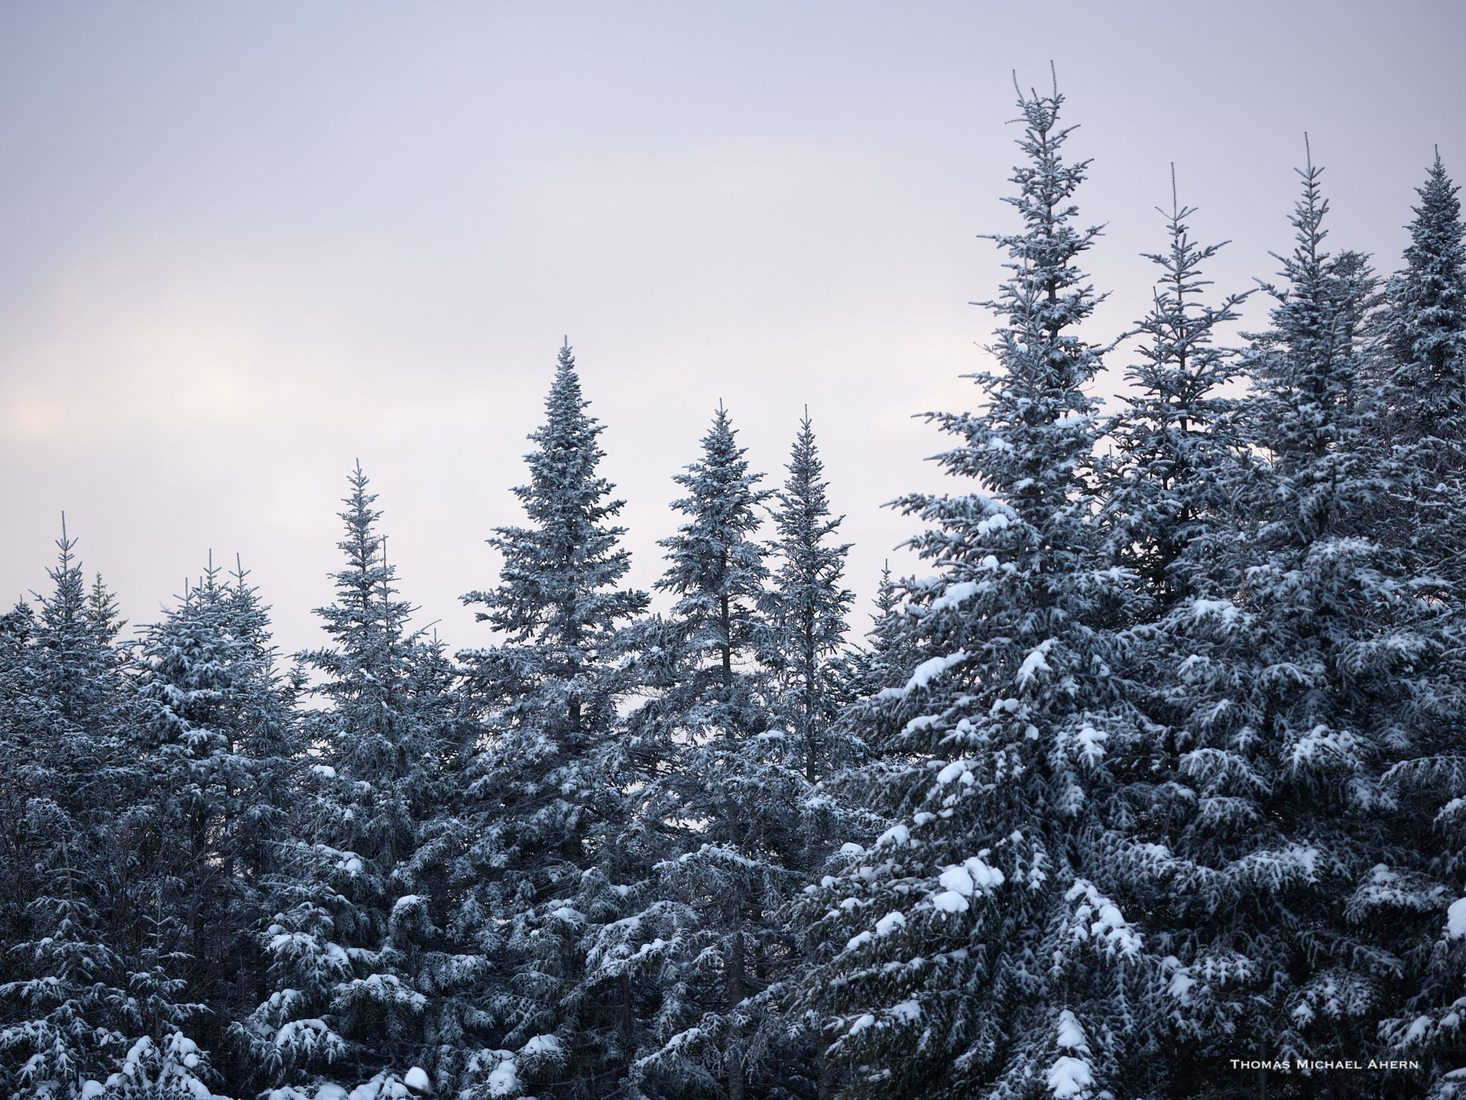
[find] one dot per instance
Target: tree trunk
(735, 997)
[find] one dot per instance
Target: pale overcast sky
(243, 245)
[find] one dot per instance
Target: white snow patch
(504, 1081)
(1098, 918)
(974, 875)
(417, 1078)
(1225, 610)
(1181, 982)
(1456, 919)
(1071, 1035)
(1092, 743)
(896, 835)
(950, 901)
(906, 1011)
(923, 674)
(958, 594)
(951, 772)
(890, 923)
(1035, 663)
(957, 880)
(921, 722)
(1069, 1078)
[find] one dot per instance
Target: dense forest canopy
(1151, 786)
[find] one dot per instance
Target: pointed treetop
(559, 579)
(1309, 212)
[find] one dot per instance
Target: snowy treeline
(1161, 767)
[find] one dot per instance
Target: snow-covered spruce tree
(1293, 874)
(1173, 490)
(809, 661)
(175, 1069)
(67, 1015)
(807, 607)
(355, 946)
(17, 868)
(730, 800)
(216, 737)
(982, 945)
(1421, 363)
(1180, 498)
(547, 804)
(880, 662)
(885, 661)
(1423, 356)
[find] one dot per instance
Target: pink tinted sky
(245, 245)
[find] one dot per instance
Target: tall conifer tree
(216, 739)
(1172, 492)
(807, 606)
(69, 1011)
(729, 799)
(1422, 356)
(548, 795)
(980, 945)
(355, 945)
(1295, 693)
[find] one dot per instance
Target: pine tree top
(559, 582)
(713, 553)
(1032, 444)
(1179, 362)
(802, 516)
(1425, 328)
(1307, 365)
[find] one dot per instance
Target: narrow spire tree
(548, 793)
(1423, 352)
(807, 605)
(728, 800)
(1423, 326)
(1172, 489)
(69, 1014)
(880, 664)
(348, 944)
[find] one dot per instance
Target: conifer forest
(1151, 784)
